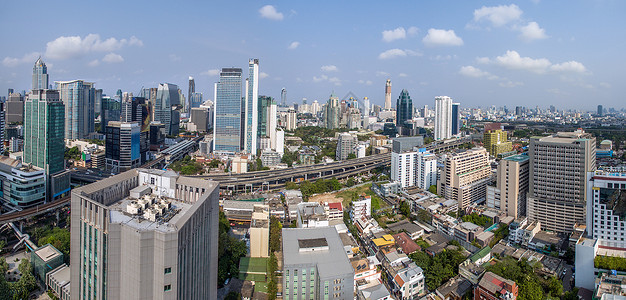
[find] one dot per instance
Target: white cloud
(293, 45)
(395, 34)
(269, 12)
(510, 84)
(94, 63)
(412, 31)
(471, 71)
(263, 75)
(366, 82)
(174, 57)
(441, 37)
(382, 73)
(532, 31)
(113, 58)
(393, 53)
(439, 57)
(483, 60)
(321, 78)
(569, 67)
(329, 68)
(27, 58)
(212, 72)
(512, 60)
(402, 75)
(498, 15)
(66, 47)
(334, 80)
(605, 85)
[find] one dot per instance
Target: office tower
(227, 125)
(157, 134)
(366, 107)
(40, 75)
(404, 108)
(316, 265)
(145, 234)
(443, 118)
(98, 102)
(200, 117)
(127, 107)
(456, 118)
(23, 185)
(509, 194)
(332, 113)
(110, 110)
(15, 109)
(9, 92)
(600, 111)
(518, 111)
(167, 97)
(606, 209)
(558, 184)
(315, 107)
(465, 177)
(79, 99)
(495, 139)
(190, 93)
(44, 121)
(291, 123)
(263, 103)
(251, 107)
(272, 130)
(388, 94)
(122, 150)
(195, 100)
(283, 97)
(345, 145)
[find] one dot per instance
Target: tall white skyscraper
(251, 107)
(388, 94)
(443, 117)
(271, 125)
(366, 107)
(40, 75)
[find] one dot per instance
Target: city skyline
(497, 54)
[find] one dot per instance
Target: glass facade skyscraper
(227, 131)
(79, 99)
(44, 123)
(404, 107)
(251, 105)
(167, 95)
(456, 118)
(40, 75)
(192, 90)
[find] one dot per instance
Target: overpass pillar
(21, 223)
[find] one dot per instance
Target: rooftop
(496, 284)
(331, 261)
(517, 158)
(47, 253)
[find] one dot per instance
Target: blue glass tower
(228, 96)
(456, 118)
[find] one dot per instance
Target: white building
(292, 120)
(410, 281)
(426, 169)
(252, 107)
(606, 209)
(362, 208)
(414, 168)
(360, 151)
(443, 117)
(310, 215)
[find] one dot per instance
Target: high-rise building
(495, 140)
(264, 103)
(44, 121)
(345, 145)
(40, 75)
(283, 97)
(316, 265)
(404, 108)
(195, 100)
(110, 110)
(416, 167)
(79, 99)
(23, 185)
(200, 117)
(332, 112)
(600, 111)
(443, 118)
(558, 184)
(15, 109)
(606, 209)
(191, 92)
(228, 101)
(465, 177)
(388, 94)
(292, 120)
(166, 97)
(98, 102)
(456, 118)
(509, 194)
(145, 234)
(122, 151)
(518, 111)
(251, 108)
(366, 107)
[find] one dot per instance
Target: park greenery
(439, 268)
(55, 236)
(290, 157)
(309, 188)
(230, 250)
(313, 135)
(72, 153)
(20, 289)
(272, 281)
(355, 193)
(531, 286)
(187, 166)
(477, 219)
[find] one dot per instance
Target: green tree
(232, 295)
(351, 156)
(350, 182)
(405, 209)
(433, 189)
(275, 233)
(423, 216)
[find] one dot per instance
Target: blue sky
(566, 53)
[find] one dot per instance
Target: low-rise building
(610, 286)
(365, 270)
(23, 185)
(361, 208)
(58, 281)
(270, 158)
(413, 230)
(311, 214)
(410, 282)
(334, 211)
(376, 291)
(404, 242)
(260, 231)
(45, 259)
(492, 286)
(453, 289)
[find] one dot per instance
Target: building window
(167, 288)
(168, 270)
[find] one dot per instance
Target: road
(567, 279)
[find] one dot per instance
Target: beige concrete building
(465, 177)
(145, 234)
(496, 142)
(260, 231)
(557, 189)
(509, 194)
